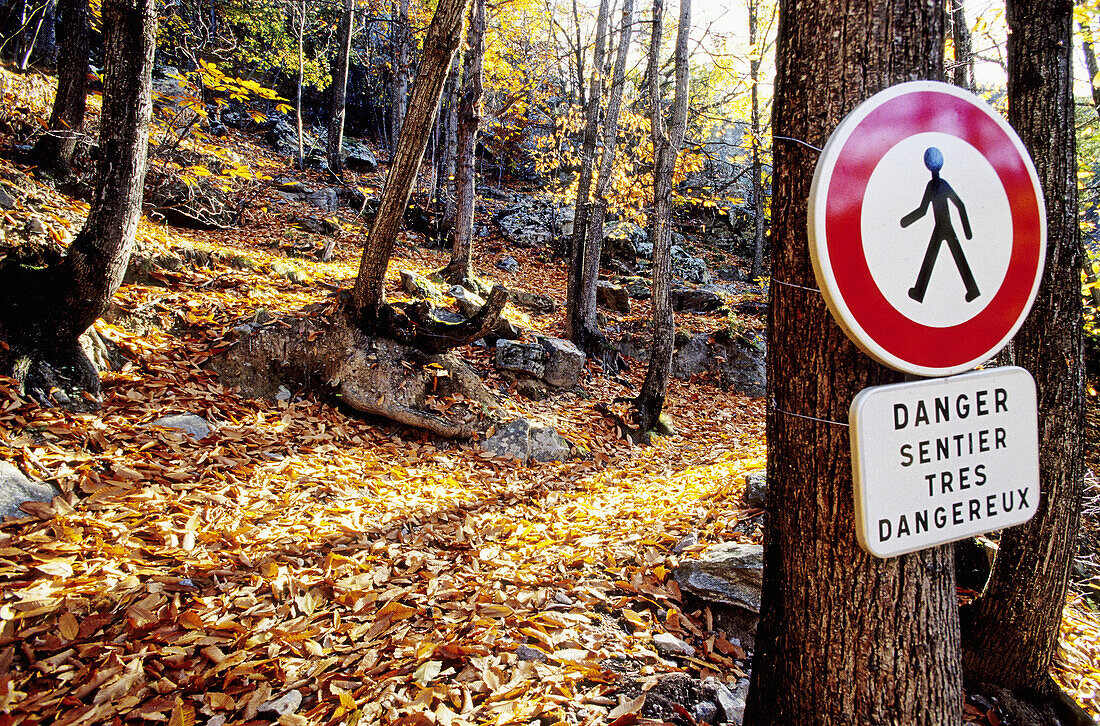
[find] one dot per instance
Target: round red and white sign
(927, 228)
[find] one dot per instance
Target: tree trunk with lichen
(44, 310)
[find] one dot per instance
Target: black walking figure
(937, 193)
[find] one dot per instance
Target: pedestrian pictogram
(927, 228)
(938, 193)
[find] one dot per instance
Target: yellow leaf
(68, 626)
(183, 714)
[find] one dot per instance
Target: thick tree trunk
(45, 311)
(579, 238)
(584, 321)
(666, 145)
(400, 72)
(460, 269)
(1014, 632)
(844, 637)
(54, 151)
(962, 71)
(443, 37)
(334, 147)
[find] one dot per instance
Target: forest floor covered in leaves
(383, 575)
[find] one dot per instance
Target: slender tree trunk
(1013, 635)
(757, 172)
(579, 238)
(578, 52)
(1087, 40)
(844, 637)
(55, 149)
(43, 312)
(460, 268)
(585, 322)
(334, 147)
(300, 162)
(963, 70)
(448, 162)
(400, 72)
(443, 37)
(666, 147)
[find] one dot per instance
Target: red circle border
(921, 345)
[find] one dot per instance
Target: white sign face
(938, 460)
(927, 228)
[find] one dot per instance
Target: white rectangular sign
(941, 459)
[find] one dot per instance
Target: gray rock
(737, 363)
(326, 199)
(622, 239)
(16, 488)
(510, 441)
(358, 156)
(508, 264)
(546, 444)
(638, 288)
(756, 488)
(731, 703)
(612, 297)
(468, 302)
(520, 441)
(695, 300)
(283, 137)
(419, 286)
(730, 573)
(733, 709)
(690, 541)
(194, 426)
(287, 703)
(522, 357)
(534, 225)
(532, 301)
(526, 652)
(35, 226)
(704, 712)
(6, 200)
(564, 362)
(669, 645)
(688, 267)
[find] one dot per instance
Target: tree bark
(400, 72)
(334, 147)
(666, 147)
(1087, 40)
(579, 238)
(1014, 632)
(300, 162)
(844, 637)
(54, 151)
(757, 172)
(962, 71)
(443, 37)
(584, 318)
(449, 124)
(44, 311)
(460, 269)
